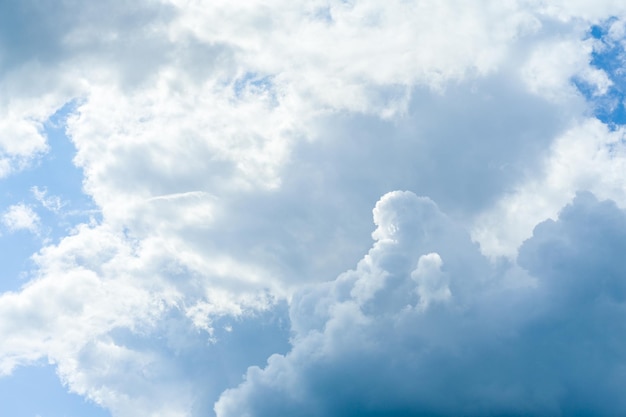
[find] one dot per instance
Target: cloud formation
(234, 152)
(21, 217)
(424, 326)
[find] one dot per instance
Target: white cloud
(553, 64)
(431, 281)
(21, 217)
(30, 96)
(579, 9)
(586, 157)
(339, 53)
(234, 150)
(101, 306)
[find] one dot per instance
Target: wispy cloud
(52, 203)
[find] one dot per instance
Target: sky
(329, 208)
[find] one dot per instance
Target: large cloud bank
(424, 325)
(234, 151)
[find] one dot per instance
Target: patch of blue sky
(36, 391)
(252, 82)
(323, 14)
(609, 56)
(52, 188)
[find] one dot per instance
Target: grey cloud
(53, 32)
(274, 184)
(580, 255)
(175, 366)
(549, 343)
(493, 132)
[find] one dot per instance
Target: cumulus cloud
(391, 337)
(21, 217)
(589, 156)
(234, 150)
(97, 313)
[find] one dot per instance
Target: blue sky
(319, 208)
(54, 175)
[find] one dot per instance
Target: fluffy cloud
(234, 151)
(21, 217)
(589, 156)
(423, 326)
(97, 312)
